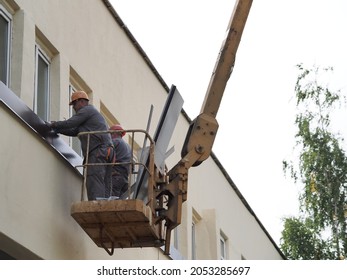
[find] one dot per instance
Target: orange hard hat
(117, 127)
(78, 95)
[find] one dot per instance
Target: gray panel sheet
(162, 137)
(12, 102)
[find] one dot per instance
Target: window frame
(223, 246)
(196, 218)
(193, 240)
(40, 54)
(8, 18)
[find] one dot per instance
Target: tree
(302, 242)
(320, 231)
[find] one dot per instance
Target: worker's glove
(51, 124)
(52, 130)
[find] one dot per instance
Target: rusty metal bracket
(110, 252)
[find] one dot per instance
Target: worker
(87, 119)
(120, 170)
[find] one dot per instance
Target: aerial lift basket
(118, 223)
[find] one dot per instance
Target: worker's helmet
(117, 127)
(78, 95)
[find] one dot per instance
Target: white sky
(182, 38)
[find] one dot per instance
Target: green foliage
(301, 242)
(322, 171)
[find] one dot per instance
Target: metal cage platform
(118, 223)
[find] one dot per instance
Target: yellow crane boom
(202, 131)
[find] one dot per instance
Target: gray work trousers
(119, 184)
(99, 176)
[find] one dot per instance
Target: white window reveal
(223, 240)
(222, 248)
(42, 85)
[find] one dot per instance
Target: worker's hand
(50, 124)
(52, 128)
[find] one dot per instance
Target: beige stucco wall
(37, 188)
(82, 35)
(214, 194)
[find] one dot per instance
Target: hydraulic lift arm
(202, 131)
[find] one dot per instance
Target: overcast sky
(182, 38)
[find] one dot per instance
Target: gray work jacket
(86, 119)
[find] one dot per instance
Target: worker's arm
(70, 127)
(66, 131)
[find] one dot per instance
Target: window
(193, 241)
(196, 218)
(42, 85)
(76, 83)
(223, 246)
(74, 142)
(5, 31)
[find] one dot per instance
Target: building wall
(87, 46)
